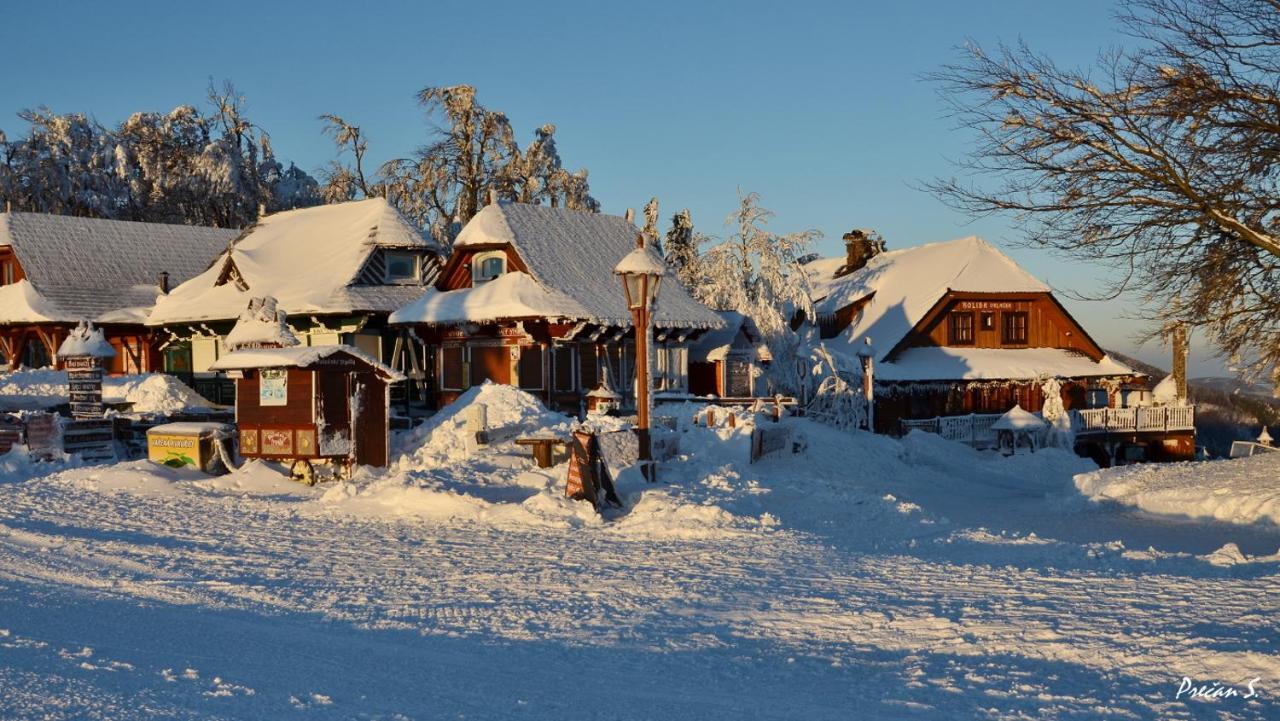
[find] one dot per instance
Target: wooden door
(737, 381)
(369, 411)
(490, 363)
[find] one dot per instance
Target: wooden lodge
(528, 298)
(337, 271)
(729, 362)
(958, 328)
(56, 271)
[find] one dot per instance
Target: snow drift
(1237, 491)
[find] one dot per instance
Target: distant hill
(1227, 409)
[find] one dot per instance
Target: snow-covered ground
(863, 578)
(1246, 490)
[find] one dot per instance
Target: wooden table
(543, 447)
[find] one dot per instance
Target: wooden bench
(543, 448)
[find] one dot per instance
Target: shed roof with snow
(298, 357)
(312, 260)
(738, 331)
(570, 256)
(106, 271)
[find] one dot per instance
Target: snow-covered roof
(1018, 419)
(949, 364)
(905, 284)
(715, 344)
(574, 253)
(261, 324)
(509, 296)
(85, 340)
(101, 270)
(309, 259)
(295, 357)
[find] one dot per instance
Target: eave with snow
(529, 297)
(337, 271)
(57, 271)
(958, 327)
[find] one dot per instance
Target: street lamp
(641, 271)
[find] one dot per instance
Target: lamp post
(641, 271)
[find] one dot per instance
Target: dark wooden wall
(1048, 325)
(296, 411)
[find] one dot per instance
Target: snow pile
(510, 411)
(1235, 491)
(86, 340)
(148, 392)
(261, 325)
(153, 393)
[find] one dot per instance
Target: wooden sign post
(589, 477)
(84, 378)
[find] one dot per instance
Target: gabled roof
(715, 344)
(903, 285)
(510, 296)
(573, 253)
(100, 270)
(309, 259)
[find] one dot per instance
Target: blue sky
(819, 107)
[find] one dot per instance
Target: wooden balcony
(1145, 419)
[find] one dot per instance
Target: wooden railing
(1134, 420)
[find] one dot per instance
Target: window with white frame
(402, 266)
(487, 266)
(671, 369)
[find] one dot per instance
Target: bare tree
(340, 182)
(1159, 162)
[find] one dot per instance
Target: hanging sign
(273, 387)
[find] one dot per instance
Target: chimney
(164, 282)
(262, 210)
(493, 196)
(1179, 372)
(860, 246)
(630, 215)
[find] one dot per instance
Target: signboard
(92, 440)
(10, 432)
(84, 382)
(248, 441)
(273, 387)
(985, 305)
(277, 441)
(42, 435)
(175, 451)
(589, 478)
(766, 442)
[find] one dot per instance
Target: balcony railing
(975, 428)
(1146, 419)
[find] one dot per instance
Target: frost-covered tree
(681, 248)
(1163, 161)
(473, 153)
(757, 273)
(177, 167)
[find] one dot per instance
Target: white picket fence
(974, 429)
(1133, 420)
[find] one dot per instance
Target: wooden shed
(308, 404)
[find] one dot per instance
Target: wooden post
(641, 321)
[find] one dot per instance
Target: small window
(962, 329)
(452, 368)
(987, 321)
(402, 267)
(1015, 328)
(531, 368)
(487, 266)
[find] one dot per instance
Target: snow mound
(511, 412)
(154, 393)
(1236, 491)
(149, 392)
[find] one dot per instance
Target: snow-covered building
(958, 328)
(529, 298)
(729, 362)
(336, 271)
(56, 271)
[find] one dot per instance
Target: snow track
(216, 602)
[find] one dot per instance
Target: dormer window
(487, 266)
(403, 266)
